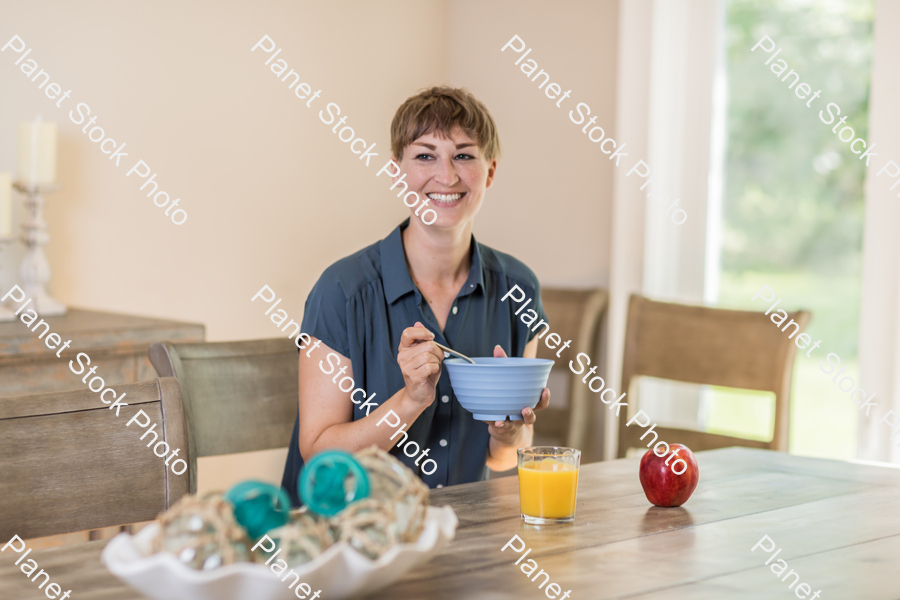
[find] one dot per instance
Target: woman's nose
(446, 174)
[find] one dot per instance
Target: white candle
(37, 152)
(5, 205)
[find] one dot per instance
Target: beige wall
(551, 205)
(551, 202)
(272, 196)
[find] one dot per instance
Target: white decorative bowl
(340, 571)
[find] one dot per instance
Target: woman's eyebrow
(433, 147)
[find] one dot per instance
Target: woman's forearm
(356, 435)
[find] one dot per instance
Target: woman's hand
(511, 435)
(420, 362)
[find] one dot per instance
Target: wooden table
(117, 343)
(837, 523)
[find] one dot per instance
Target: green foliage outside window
(793, 190)
(793, 199)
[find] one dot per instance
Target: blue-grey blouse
(360, 306)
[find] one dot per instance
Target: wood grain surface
(93, 329)
(68, 463)
(237, 396)
(837, 524)
(116, 343)
(577, 315)
(712, 346)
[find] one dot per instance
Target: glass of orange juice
(548, 480)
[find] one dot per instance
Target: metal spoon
(459, 354)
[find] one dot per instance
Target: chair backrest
(238, 396)
(67, 463)
(575, 315)
(713, 346)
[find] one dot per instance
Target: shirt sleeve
(325, 315)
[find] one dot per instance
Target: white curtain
(879, 335)
(668, 59)
(627, 245)
(685, 46)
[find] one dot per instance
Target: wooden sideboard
(116, 343)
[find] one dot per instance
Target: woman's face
(451, 174)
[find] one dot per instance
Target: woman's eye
(464, 156)
(423, 157)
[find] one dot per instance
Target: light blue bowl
(496, 388)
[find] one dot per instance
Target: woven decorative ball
(303, 539)
(395, 485)
(202, 533)
(366, 525)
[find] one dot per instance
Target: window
(792, 203)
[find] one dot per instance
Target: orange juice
(547, 489)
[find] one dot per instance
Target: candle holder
(35, 270)
(5, 315)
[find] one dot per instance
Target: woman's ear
(492, 172)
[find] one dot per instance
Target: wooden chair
(697, 344)
(67, 463)
(238, 396)
(575, 315)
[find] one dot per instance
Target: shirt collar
(395, 273)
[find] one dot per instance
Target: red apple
(662, 486)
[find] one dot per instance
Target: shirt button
(471, 285)
(447, 355)
(445, 399)
(443, 442)
(455, 310)
(440, 485)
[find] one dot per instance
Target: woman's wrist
(503, 456)
(409, 405)
(525, 437)
(411, 402)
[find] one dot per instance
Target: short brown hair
(438, 110)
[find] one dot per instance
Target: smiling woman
(383, 311)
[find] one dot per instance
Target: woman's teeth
(445, 197)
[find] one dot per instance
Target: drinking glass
(548, 481)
